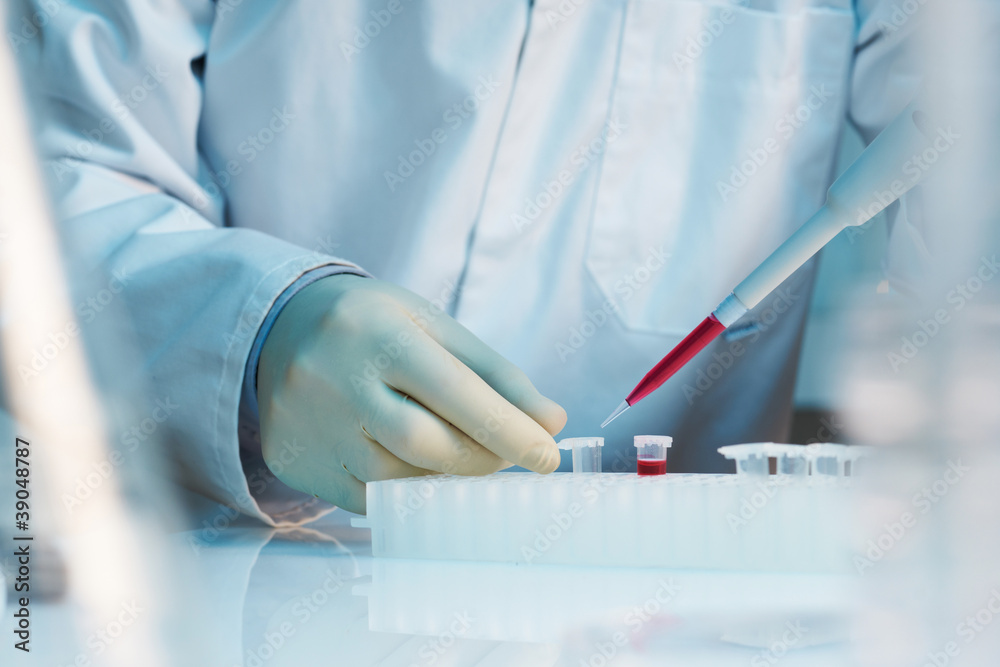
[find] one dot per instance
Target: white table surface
(320, 598)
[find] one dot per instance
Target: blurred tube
(925, 380)
(58, 410)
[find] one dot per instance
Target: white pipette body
(884, 172)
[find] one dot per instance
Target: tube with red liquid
(651, 453)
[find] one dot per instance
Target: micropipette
(887, 169)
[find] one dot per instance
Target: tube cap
(574, 443)
(662, 440)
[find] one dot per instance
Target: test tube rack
(719, 522)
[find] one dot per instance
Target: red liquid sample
(695, 341)
(652, 466)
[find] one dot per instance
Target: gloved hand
(374, 385)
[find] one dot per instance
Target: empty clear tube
(827, 459)
(836, 460)
(818, 460)
(586, 453)
(854, 455)
(753, 458)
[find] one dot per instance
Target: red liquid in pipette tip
(652, 466)
(692, 344)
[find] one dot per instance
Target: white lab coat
(578, 182)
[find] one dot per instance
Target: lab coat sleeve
(249, 410)
(886, 77)
(118, 94)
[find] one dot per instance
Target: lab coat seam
(470, 243)
(599, 175)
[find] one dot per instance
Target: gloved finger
(507, 379)
(421, 438)
(369, 461)
(450, 389)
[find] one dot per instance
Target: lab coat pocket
(728, 121)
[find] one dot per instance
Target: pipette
(895, 161)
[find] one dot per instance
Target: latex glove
(370, 384)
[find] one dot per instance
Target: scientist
(545, 190)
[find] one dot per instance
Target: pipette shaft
(884, 172)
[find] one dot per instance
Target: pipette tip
(614, 415)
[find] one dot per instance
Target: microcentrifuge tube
(651, 453)
(586, 453)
